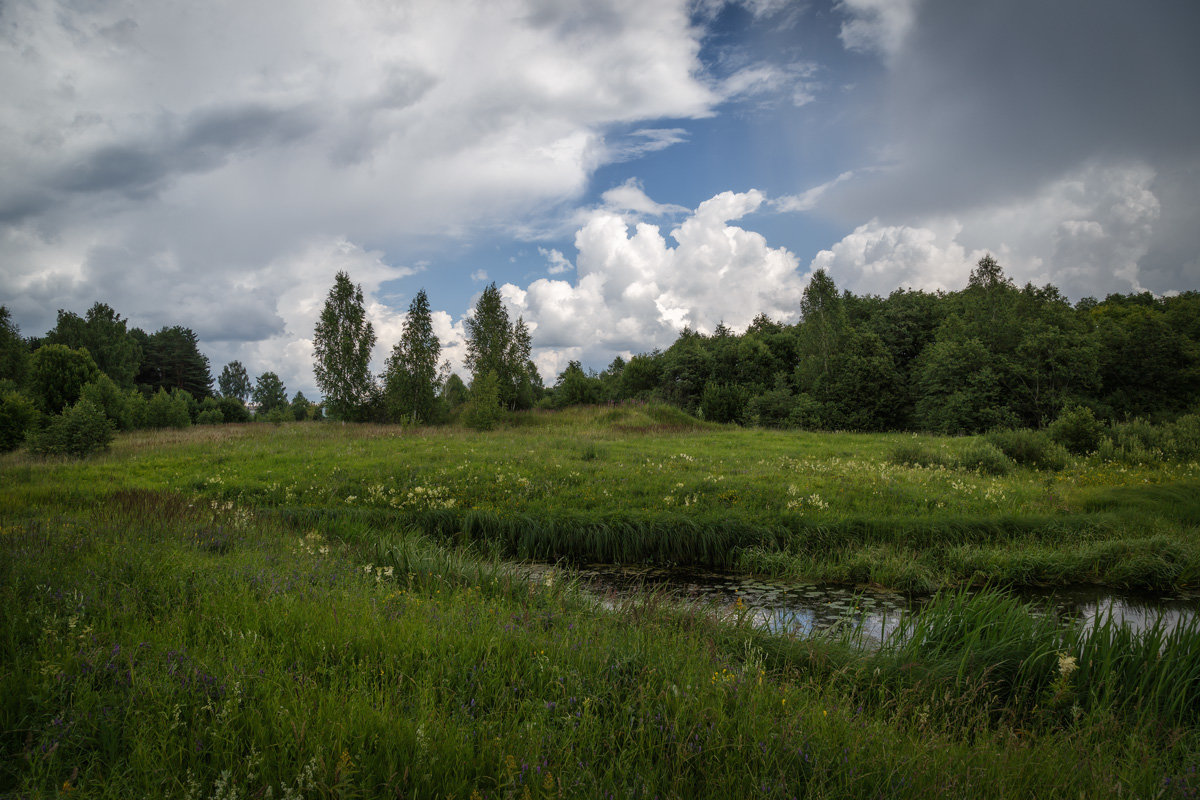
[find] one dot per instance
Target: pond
(802, 608)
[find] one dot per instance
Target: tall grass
(159, 646)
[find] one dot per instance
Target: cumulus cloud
(169, 159)
(1085, 233)
(879, 26)
(634, 290)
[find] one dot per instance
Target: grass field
(322, 611)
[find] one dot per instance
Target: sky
(619, 168)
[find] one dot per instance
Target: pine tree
(412, 379)
(342, 347)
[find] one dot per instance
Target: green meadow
(319, 610)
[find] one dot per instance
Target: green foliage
(575, 387)
(342, 347)
(210, 412)
(494, 344)
(57, 375)
(723, 402)
(454, 392)
(103, 334)
(139, 409)
(1030, 448)
(167, 410)
(301, 408)
(483, 411)
(79, 431)
(233, 410)
(1077, 430)
(270, 393)
(915, 453)
(172, 360)
(412, 377)
(105, 395)
(17, 415)
(235, 382)
(14, 355)
(772, 408)
(985, 457)
(277, 416)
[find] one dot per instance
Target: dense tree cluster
(68, 391)
(992, 355)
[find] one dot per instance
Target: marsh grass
(647, 483)
(334, 657)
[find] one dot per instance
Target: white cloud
(479, 275)
(879, 26)
(634, 291)
(808, 199)
(557, 261)
(167, 158)
(1085, 233)
(630, 196)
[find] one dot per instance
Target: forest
(991, 356)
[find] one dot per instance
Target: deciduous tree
(342, 345)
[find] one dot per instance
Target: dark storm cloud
(204, 141)
(987, 101)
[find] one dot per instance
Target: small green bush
(78, 431)
(168, 411)
(1030, 448)
(917, 454)
(108, 397)
(210, 416)
(233, 410)
(1077, 430)
(985, 457)
(1185, 437)
(17, 415)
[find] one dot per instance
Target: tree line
(91, 375)
(992, 355)
(989, 356)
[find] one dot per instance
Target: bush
(483, 410)
(1078, 430)
(1029, 448)
(78, 431)
(167, 411)
(233, 410)
(917, 454)
(277, 416)
(985, 457)
(1185, 437)
(108, 397)
(139, 409)
(210, 416)
(17, 414)
(723, 402)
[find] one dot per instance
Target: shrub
(167, 411)
(1078, 430)
(483, 411)
(210, 416)
(1029, 448)
(233, 410)
(17, 414)
(278, 416)
(108, 397)
(986, 457)
(78, 431)
(912, 453)
(139, 409)
(1185, 437)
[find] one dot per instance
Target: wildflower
(1066, 665)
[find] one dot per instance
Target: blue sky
(620, 168)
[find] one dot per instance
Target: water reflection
(804, 608)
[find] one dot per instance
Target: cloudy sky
(620, 168)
